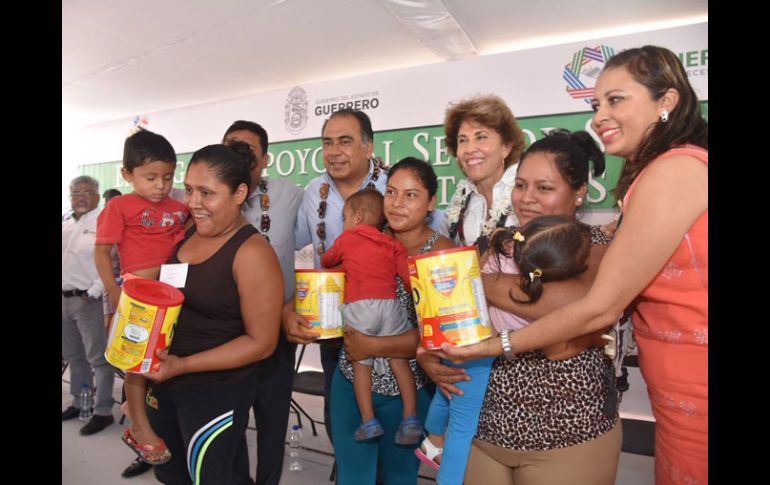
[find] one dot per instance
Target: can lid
(441, 252)
(153, 292)
(336, 270)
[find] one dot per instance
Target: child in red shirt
(371, 261)
(146, 225)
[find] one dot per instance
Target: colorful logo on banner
(582, 72)
(295, 112)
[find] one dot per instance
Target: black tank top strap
(228, 249)
(189, 232)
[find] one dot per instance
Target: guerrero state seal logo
(295, 113)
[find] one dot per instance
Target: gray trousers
(83, 341)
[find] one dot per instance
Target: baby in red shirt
(371, 261)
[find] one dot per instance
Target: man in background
(84, 338)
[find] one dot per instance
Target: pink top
(500, 318)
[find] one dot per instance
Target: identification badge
(174, 274)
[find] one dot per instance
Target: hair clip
(517, 236)
(536, 273)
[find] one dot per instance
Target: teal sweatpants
(357, 462)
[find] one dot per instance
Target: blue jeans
(357, 461)
(458, 418)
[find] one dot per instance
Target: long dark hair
(659, 70)
(547, 248)
(572, 154)
(231, 163)
(419, 168)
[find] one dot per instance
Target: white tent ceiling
(123, 58)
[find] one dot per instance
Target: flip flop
(431, 452)
(145, 452)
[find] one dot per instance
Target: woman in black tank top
(230, 319)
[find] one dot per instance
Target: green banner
(302, 160)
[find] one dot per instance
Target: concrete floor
(99, 459)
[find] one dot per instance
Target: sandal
(431, 452)
(368, 430)
(160, 453)
(409, 431)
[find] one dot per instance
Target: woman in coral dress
(647, 112)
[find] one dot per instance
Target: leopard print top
(533, 403)
(383, 380)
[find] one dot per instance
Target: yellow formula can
(449, 297)
(317, 297)
(144, 322)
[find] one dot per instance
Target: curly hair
(488, 110)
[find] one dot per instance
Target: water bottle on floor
(295, 449)
(86, 403)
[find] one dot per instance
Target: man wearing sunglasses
(272, 208)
